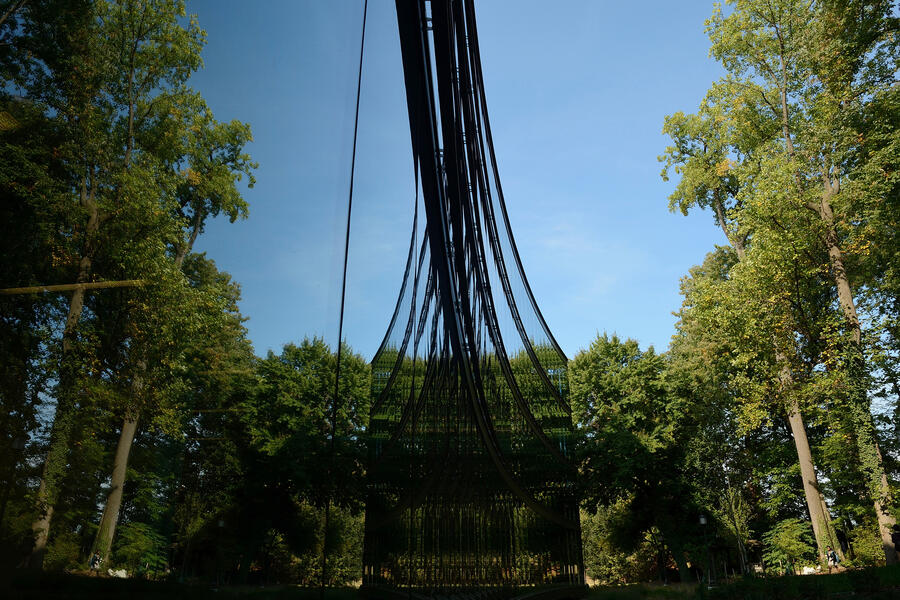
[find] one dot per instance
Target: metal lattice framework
(470, 479)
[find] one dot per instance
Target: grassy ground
(869, 584)
(51, 586)
(881, 583)
(641, 591)
(875, 583)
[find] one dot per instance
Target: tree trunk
(815, 501)
(107, 529)
(108, 521)
(678, 554)
(54, 468)
(733, 508)
(866, 436)
(185, 248)
(12, 10)
(55, 462)
(867, 444)
(818, 510)
(736, 240)
(244, 566)
(832, 534)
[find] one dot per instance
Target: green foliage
(872, 583)
(268, 470)
(64, 553)
(141, 550)
(345, 538)
(788, 544)
(779, 150)
(604, 562)
(634, 422)
(289, 419)
(619, 403)
(866, 544)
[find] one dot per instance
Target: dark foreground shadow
(857, 584)
(882, 583)
(53, 586)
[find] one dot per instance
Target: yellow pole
(69, 287)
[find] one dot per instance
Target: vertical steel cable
(337, 372)
(413, 395)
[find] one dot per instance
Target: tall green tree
(290, 470)
(631, 449)
(775, 151)
(195, 315)
(817, 67)
(207, 161)
(30, 185)
(714, 152)
(143, 156)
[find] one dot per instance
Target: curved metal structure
(470, 479)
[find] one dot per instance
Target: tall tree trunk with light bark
(819, 514)
(861, 416)
(110, 517)
(815, 502)
(867, 442)
(107, 529)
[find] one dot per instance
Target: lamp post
(221, 525)
(707, 574)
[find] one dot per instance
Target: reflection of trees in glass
(434, 476)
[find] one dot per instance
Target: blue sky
(577, 93)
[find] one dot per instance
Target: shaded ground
(874, 583)
(858, 584)
(640, 591)
(79, 587)
(881, 583)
